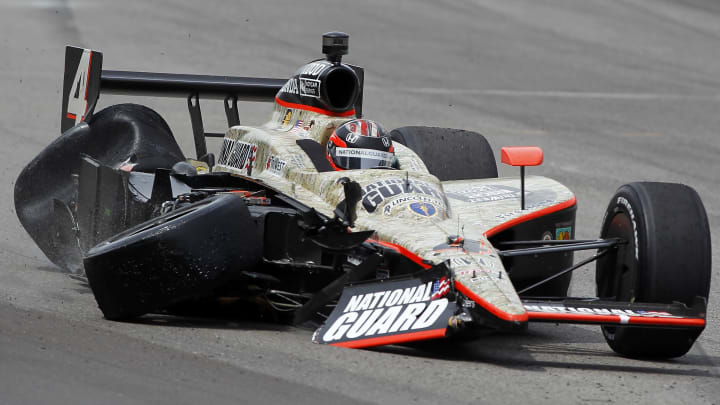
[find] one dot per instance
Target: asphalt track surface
(612, 91)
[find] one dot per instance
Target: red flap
(521, 155)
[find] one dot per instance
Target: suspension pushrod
(582, 245)
(537, 242)
(569, 269)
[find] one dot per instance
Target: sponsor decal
(364, 153)
(243, 156)
(352, 137)
(485, 193)
(423, 209)
(547, 235)
(299, 129)
(440, 288)
(226, 149)
(287, 117)
(310, 87)
(388, 308)
(598, 311)
(385, 141)
(563, 233)
(377, 193)
(275, 165)
(625, 203)
(314, 69)
(528, 207)
(391, 204)
(291, 87)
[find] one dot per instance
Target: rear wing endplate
(81, 85)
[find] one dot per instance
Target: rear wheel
(45, 189)
(666, 259)
(449, 154)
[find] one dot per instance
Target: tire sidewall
(626, 201)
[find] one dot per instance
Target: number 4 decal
(77, 99)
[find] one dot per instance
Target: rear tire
(667, 259)
(449, 154)
(184, 254)
(110, 136)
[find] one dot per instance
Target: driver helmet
(360, 144)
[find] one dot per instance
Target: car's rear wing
(84, 80)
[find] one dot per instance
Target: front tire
(666, 259)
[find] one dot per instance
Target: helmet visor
(358, 158)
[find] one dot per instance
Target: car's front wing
(598, 312)
(427, 305)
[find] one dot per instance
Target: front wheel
(666, 259)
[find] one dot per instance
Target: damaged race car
(323, 217)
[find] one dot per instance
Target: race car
(324, 218)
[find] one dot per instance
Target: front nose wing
(392, 311)
(613, 313)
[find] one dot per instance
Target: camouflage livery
(409, 207)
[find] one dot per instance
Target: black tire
(667, 259)
(110, 136)
(450, 154)
(184, 254)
